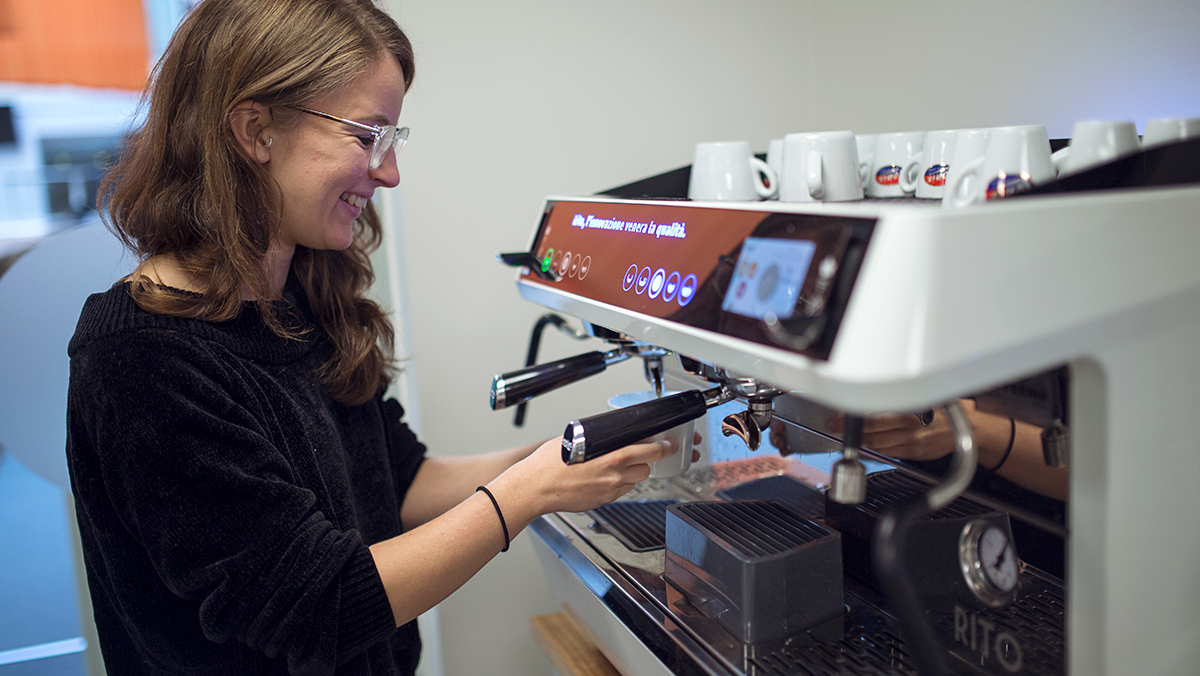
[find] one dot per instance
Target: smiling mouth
(354, 200)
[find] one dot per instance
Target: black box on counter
(756, 567)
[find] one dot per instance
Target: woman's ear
(250, 122)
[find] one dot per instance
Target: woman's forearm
(443, 482)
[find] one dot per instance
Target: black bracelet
(500, 514)
(1012, 438)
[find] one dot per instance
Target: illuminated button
(657, 282)
(630, 277)
(574, 265)
(548, 260)
(687, 290)
(671, 287)
(584, 266)
(643, 280)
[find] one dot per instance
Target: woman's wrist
(992, 436)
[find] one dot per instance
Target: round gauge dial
(989, 562)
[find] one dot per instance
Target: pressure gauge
(989, 562)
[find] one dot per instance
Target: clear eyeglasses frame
(385, 137)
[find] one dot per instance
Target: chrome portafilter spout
(652, 366)
(749, 424)
(848, 479)
(888, 546)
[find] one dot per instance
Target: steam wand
(888, 545)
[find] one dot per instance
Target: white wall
(517, 100)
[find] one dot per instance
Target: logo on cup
(936, 175)
(889, 175)
(1006, 185)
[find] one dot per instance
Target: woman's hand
(905, 436)
(583, 486)
(895, 435)
(543, 483)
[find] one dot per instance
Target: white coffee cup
(970, 145)
(728, 171)
(1170, 129)
(820, 166)
(936, 155)
(775, 159)
(1094, 142)
(866, 153)
(1017, 158)
(896, 167)
(682, 434)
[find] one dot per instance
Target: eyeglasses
(383, 138)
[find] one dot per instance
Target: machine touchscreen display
(768, 276)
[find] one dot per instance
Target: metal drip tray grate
(757, 528)
(869, 646)
(885, 489)
(869, 643)
(806, 500)
(640, 525)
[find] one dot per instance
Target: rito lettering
(979, 634)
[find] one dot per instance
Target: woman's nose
(387, 173)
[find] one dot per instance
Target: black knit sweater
(226, 501)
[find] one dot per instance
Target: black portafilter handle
(594, 436)
(509, 389)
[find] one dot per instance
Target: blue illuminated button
(687, 290)
(643, 280)
(630, 277)
(657, 282)
(672, 287)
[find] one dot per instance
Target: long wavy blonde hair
(184, 186)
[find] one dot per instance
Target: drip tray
(756, 567)
(640, 525)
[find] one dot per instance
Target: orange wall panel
(94, 43)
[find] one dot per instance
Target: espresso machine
(1074, 307)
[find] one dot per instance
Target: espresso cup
(820, 167)
(1170, 129)
(970, 145)
(896, 166)
(1094, 142)
(775, 159)
(728, 171)
(936, 154)
(682, 434)
(866, 153)
(1017, 159)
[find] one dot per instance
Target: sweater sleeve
(168, 442)
(406, 451)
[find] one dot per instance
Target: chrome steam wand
(888, 545)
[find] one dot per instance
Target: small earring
(270, 141)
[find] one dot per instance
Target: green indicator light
(547, 260)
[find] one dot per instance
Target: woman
(248, 501)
